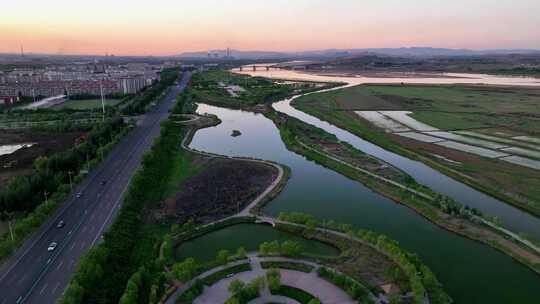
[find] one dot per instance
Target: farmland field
(473, 116)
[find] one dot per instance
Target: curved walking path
(310, 282)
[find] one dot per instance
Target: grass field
(87, 104)
(442, 106)
(511, 111)
(299, 295)
(257, 90)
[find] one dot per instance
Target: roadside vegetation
(136, 258)
(27, 200)
(65, 145)
(142, 101)
(128, 245)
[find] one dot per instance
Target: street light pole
(70, 183)
(11, 230)
(102, 99)
(46, 199)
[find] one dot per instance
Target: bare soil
(20, 162)
(222, 189)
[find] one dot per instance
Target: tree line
(104, 272)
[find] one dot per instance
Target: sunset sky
(164, 27)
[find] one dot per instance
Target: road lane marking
(43, 289)
(59, 265)
(72, 245)
(55, 288)
(22, 278)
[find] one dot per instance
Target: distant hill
(253, 55)
(332, 53)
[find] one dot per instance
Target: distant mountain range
(328, 53)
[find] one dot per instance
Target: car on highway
(52, 246)
(103, 182)
(60, 224)
(79, 195)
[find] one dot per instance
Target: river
(511, 217)
(471, 272)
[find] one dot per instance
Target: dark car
(103, 182)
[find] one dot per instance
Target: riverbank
(331, 196)
(511, 183)
(419, 199)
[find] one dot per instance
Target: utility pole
(102, 99)
(46, 199)
(70, 183)
(10, 216)
(11, 231)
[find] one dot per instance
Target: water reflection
(8, 149)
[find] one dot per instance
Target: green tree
(273, 247)
(291, 248)
(232, 300)
(264, 248)
(241, 253)
(185, 270)
(222, 257)
(236, 287)
(274, 279)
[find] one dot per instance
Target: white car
(52, 246)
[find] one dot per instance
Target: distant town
(86, 78)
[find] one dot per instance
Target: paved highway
(35, 275)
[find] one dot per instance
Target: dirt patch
(21, 161)
(222, 189)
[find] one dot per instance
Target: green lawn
(87, 104)
(299, 295)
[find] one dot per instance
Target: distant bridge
(259, 67)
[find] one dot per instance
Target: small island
(236, 133)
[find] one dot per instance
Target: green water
(470, 272)
(249, 236)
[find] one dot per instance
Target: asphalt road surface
(35, 275)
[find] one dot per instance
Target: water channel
(471, 272)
